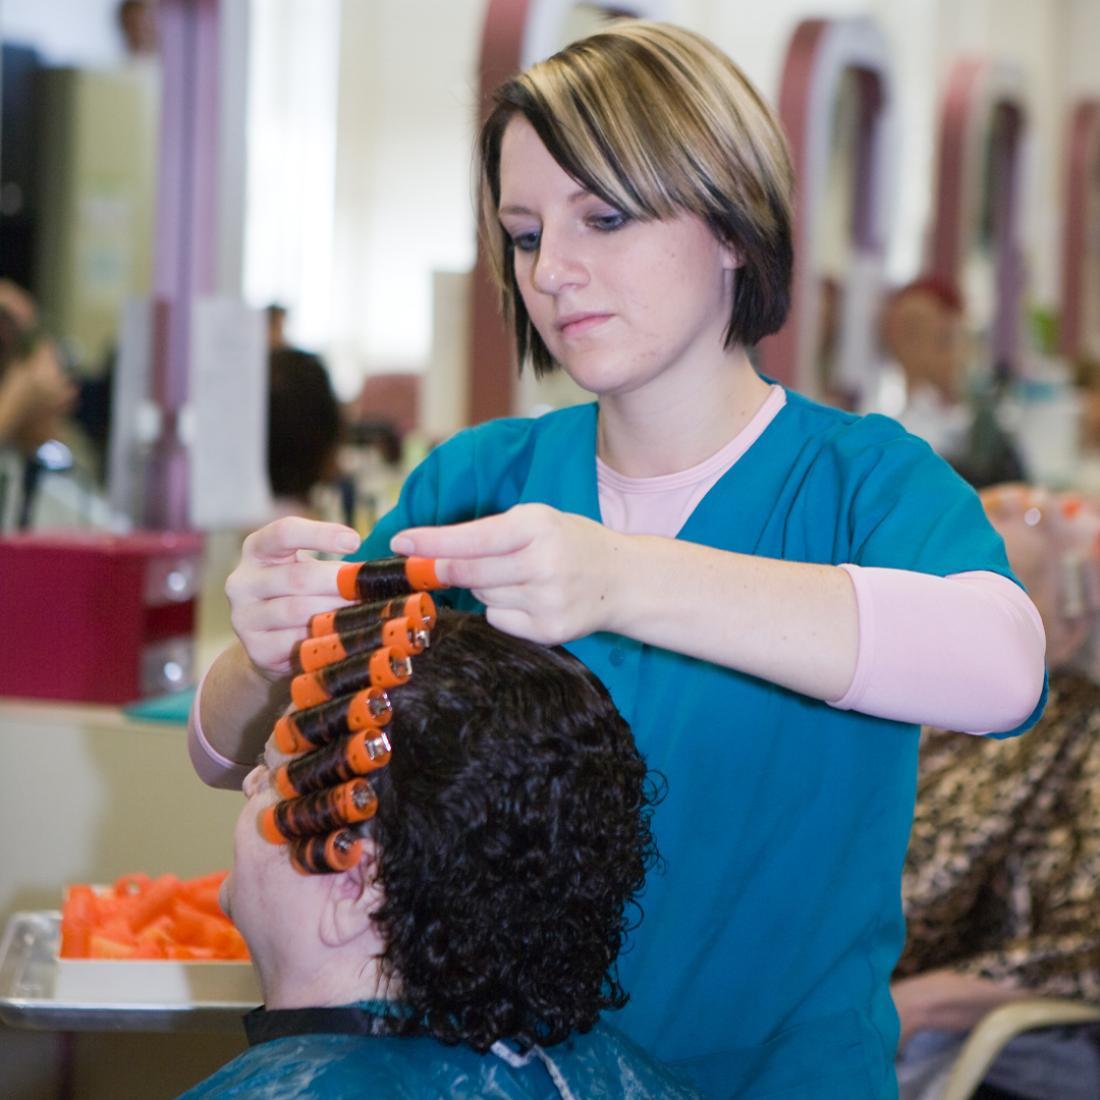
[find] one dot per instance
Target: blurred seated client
(35, 397)
(470, 946)
(1001, 895)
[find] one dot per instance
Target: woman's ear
(352, 899)
(731, 257)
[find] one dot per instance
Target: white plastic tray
(94, 996)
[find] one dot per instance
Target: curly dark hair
(513, 832)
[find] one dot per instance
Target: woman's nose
(557, 266)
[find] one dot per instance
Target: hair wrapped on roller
(509, 839)
(341, 710)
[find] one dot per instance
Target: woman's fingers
(278, 585)
(502, 571)
(289, 613)
(501, 534)
(305, 578)
(285, 537)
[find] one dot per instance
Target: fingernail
(400, 544)
(348, 543)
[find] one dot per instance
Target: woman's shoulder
(854, 437)
(483, 469)
(507, 442)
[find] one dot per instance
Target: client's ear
(352, 898)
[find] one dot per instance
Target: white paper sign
(228, 409)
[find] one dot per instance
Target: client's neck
(341, 978)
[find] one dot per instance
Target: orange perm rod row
(400, 634)
(320, 812)
(388, 577)
(419, 609)
(335, 728)
(303, 730)
(320, 855)
(337, 762)
(385, 667)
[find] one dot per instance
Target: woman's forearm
(233, 716)
(964, 652)
(792, 623)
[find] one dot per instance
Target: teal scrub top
(763, 960)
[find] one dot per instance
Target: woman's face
(620, 304)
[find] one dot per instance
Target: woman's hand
(278, 585)
(542, 574)
(947, 1000)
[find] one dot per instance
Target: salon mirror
(834, 247)
(977, 222)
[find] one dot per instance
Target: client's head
(499, 870)
(1053, 545)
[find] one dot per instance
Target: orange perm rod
(419, 609)
(399, 634)
(320, 812)
(386, 577)
(337, 762)
(326, 855)
(383, 668)
(303, 730)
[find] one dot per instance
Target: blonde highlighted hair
(657, 121)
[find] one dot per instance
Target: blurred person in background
(304, 429)
(35, 397)
(276, 315)
(137, 22)
(1000, 884)
(924, 331)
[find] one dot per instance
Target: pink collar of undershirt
(717, 464)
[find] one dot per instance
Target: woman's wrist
(240, 705)
(625, 590)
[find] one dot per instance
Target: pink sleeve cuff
(963, 652)
(211, 767)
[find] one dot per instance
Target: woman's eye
(608, 223)
(526, 242)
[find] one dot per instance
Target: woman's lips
(579, 323)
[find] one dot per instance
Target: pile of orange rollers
(336, 728)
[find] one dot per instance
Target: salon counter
(87, 794)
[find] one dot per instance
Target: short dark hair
(657, 121)
(513, 835)
(303, 424)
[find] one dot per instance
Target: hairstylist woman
(776, 593)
